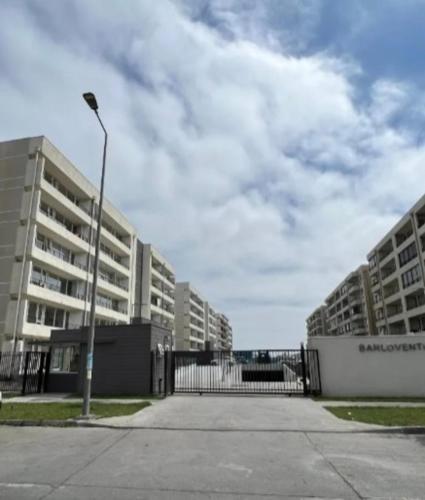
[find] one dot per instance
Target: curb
(93, 424)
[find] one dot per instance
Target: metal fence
(290, 371)
(24, 372)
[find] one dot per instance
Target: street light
(90, 99)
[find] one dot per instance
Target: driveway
(218, 448)
(238, 413)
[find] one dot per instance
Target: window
(411, 276)
(406, 255)
(49, 318)
(65, 359)
(32, 313)
(41, 314)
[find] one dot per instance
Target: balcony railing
(58, 255)
(78, 295)
(111, 281)
(57, 288)
(65, 224)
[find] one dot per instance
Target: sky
(263, 147)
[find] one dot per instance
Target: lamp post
(90, 99)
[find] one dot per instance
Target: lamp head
(90, 99)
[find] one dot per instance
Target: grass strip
(64, 411)
(388, 416)
(371, 399)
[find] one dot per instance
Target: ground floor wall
(392, 365)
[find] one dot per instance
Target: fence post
(173, 371)
(152, 372)
(318, 371)
(24, 381)
(47, 371)
(304, 371)
(40, 372)
(165, 373)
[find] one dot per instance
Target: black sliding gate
(290, 371)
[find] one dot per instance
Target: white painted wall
(392, 365)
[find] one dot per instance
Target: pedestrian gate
(24, 372)
(290, 371)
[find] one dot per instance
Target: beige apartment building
(189, 318)
(155, 287)
(211, 326)
(47, 231)
(349, 309)
(224, 333)
(396, 267)
(316, 323)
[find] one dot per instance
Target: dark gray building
(128, 359)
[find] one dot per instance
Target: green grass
(63, 411)
(370, 399)
(119, 396)
(389, 416)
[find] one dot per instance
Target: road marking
(237, 468)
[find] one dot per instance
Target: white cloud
(257, 173)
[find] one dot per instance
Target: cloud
(261, 174)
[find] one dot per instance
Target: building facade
(155, 287)
(189, 318)
(48, 213)
(316, 323)
(397, 272)
(224, 333)
(349, 309)
(211, 326)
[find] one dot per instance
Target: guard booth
(128, 360)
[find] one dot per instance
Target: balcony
(394, 309)
(53, 296)
(113, 264)
(391, 288)
(397, 328)
(59, 255)
(385, 251)
(404, 233)
(388, 270)
(59, 231)
(61, 202)
(415, 299)
(162, 277)
(161, 288)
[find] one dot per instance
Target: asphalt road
(214, 463)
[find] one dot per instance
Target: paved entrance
(237, 413)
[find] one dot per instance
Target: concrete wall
(371, 366)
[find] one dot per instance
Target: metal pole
(91, 334)
(304, 370)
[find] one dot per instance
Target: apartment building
(396, 267)
(224, 333)
(155, 287)
(349, 308)
(316, 323)
(211, 326)
(189, 318)
(48, 213)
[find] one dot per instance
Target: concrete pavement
(218, 463)
(237, 413)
